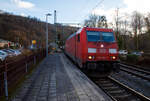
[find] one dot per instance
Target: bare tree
(137, 24)
(96, 21)
(123, 33)
(147, 22)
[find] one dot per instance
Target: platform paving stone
(57, 79)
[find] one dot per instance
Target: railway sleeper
(121, 96)
(104, 81)
(116, 91)
(111, 88)
(127, 97)
(108, 85)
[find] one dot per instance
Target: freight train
(93, 48)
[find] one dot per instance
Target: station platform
(57, 79)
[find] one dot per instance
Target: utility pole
(125, 33)
(117, 21)
(63, 35)
(55, 23)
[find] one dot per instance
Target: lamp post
(47, 33)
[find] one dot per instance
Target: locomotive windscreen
(95, 36)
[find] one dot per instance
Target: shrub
(123, 57)
(132, 58)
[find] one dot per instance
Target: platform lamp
(47, 33)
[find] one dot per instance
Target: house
(3, 42)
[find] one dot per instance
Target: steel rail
(141, 96)
(135, 73)
(134, 68)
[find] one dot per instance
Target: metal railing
(12, 72)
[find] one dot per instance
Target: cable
(93, 8)
(96, 5)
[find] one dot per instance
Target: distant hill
(23, 30)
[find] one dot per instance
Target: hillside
(25, 29)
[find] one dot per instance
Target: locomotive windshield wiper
(100, 41)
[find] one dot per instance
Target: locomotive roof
(90, 29)
(98, 29)
(94, 29)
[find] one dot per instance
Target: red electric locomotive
(93, 48)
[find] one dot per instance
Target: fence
(12, 72)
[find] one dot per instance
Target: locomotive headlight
(112, 50)
(91, 50)
(113, 57)
(90, 57)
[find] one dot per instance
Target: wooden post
(5, 81)
(26, 63)
(34, 59)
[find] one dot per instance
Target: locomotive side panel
(84, 46)
(79, 48)
(70, 47)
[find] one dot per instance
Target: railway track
(136, 66)
(118, 91)
(135, 71)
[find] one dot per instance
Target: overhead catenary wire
(100, 2)
(97, 5)
(83, 8)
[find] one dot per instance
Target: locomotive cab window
(94, 36)
(107, 37)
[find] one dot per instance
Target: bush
(145, 61)
(146, 55)
(132, 58)
(123, 57)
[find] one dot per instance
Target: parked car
(16, 52)
(123, 52)
(3, 55)
(58, 50)
(10, 53)
(137, 53)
